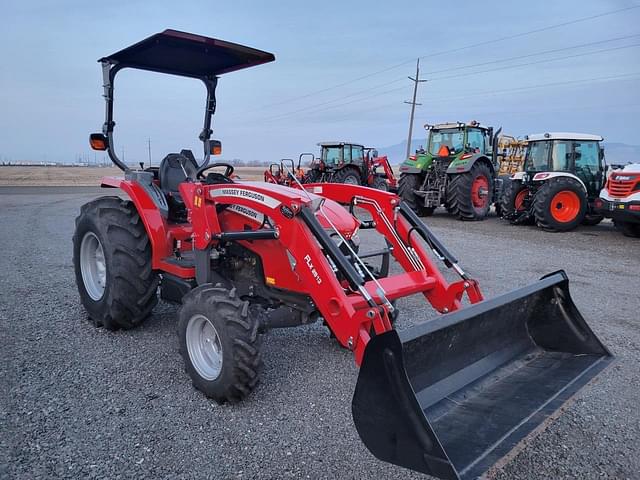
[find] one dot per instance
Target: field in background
(86, 176)
(80, 176)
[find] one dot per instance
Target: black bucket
(454, 395)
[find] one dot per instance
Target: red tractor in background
(339, 162)
(449, 397)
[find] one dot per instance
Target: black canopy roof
(188, 55)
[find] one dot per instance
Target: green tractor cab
(562, 178)
(457, 169)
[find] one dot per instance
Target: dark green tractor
(457, 169)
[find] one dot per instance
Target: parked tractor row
(556, 181)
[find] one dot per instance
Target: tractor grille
(621, 185)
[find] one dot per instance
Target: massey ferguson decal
(314, 272)
(248, 212)
(243, 193)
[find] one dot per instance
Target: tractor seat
(172, 172)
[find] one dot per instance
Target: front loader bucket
(454, 395)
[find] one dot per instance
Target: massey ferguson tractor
(563, 175)
(620, 199)
(457, 170)
(353, 164)
(449, 397)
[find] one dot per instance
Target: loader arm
(354, 308)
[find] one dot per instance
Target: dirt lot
(81, 402)
(80, 176)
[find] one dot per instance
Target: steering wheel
(227, 173)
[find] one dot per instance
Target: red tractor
(448, 397)
(350, 163)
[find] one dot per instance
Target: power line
(312, 109)
(444, 52)
(356, 94)
(496, 92)
(535, 54)
(537, 62)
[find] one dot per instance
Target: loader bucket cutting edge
(454, 395)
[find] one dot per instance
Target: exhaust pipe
(454, 395)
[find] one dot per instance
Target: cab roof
(188, 55)
(536, 137)
(338, 144)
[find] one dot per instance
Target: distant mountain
(616, 153)
(621, 153)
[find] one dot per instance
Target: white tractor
(563, 174)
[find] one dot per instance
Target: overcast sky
(50, 83)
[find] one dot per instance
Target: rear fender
(152, 208)
(408, 169)
(544, 176)
(463, 165)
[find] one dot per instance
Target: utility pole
(149, 147)
(413, 104)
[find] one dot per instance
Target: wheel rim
(204, 347)
(480, 191)
(565, 206)
(93, 266)
(519, 201)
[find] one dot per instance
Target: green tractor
(457, 170)
(562, 178)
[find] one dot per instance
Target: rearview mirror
(98, 141)
(215, 147)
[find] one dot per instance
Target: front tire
(628, 229)
(408, 183)
(469, 195)
(592, 219)
(380, 183)
(112, 262)
(512, 203)
(560, 204)
(220, 343)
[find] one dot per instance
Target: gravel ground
(83, 402)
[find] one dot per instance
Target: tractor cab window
(357, 154)
(538, 156)
(561, 155)
(453, 139)
(475, 140)
(331, 155)
(587, 155)
(587, 165)
(347, 154)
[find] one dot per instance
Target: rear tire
(220, 343)
(314, 176)
(112, 262)
(628, 229)
(560, 204)
(347, 175)
(469, 194)
(407, 184)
